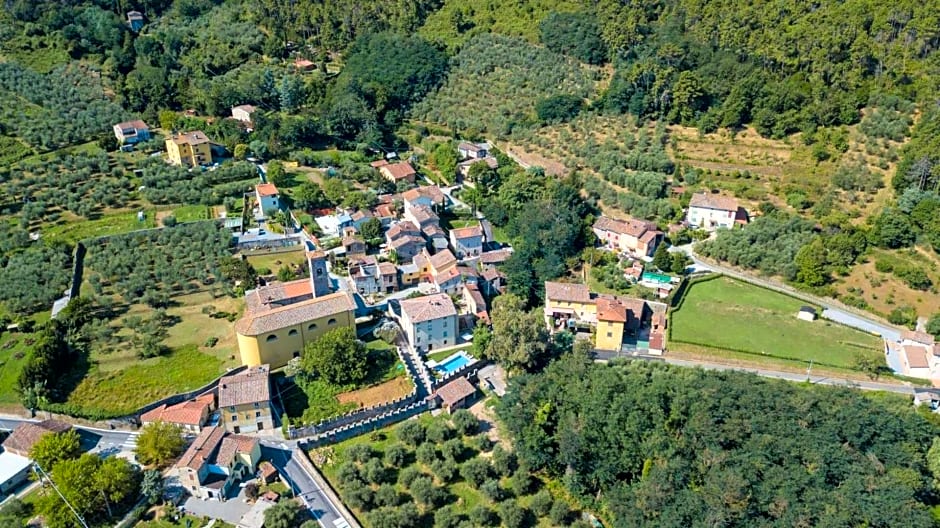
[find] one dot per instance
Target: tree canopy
(336, 357)
(670, 446)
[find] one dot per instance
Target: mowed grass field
(728, 314)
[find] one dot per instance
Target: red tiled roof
(467, 232)
(917, 337)
(633, 227)
(916, 356)
(455, 391)
(378, 163)
(495, 257)
(195, 137)
(187, 413)
(22, 439)
(431, 192)
(249, 386)
(657, 340)
(201, 450)
(442, 259)
(427, 308)
(398, 171)
(276, 318)
(570, 292)
(233, 444)
(611, 310)
(136, 124)
(266, 189)
(714, 201)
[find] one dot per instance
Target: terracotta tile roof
(245, 107)
(405, 227)
(633, 227)
(564, 291)
(303, 64)
(361, 214)
(455, 391)
(467, 232)
(276, 318)
(385, 211)
(473, 147)
(714, 201)
(442, 259)
(233, 444)
(136, 124)
(195, 137)
(495, 257)
(917, 337)
(378, 163)
(431, 192)
(249, 386)
(202, 449)
(387, 268)
(916, 356)
(429, 307)
(467, 271)
(649, 236)
(433, 231)
(446, 276)
(490, 161)
(266, 297)
(22, 439)
(422, 214)
(266, 189)
(657, 340)
(611, 310)
(492, 274)
(189, 412)
(398, 171)
(268, 471)
(406, 240)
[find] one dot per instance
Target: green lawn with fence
(728, 314)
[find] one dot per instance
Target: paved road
(303, 484)
(777, 374)
(103, 441)
(832, 310)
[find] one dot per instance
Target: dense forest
(651, 444)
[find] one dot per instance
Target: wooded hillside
(654, 445)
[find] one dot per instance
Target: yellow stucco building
(245, 401)
(189, 148)
(276, 334)
(613, 318)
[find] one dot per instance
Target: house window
(231, 409)
(331, 322)
(311, 327)
(270, 338)
(257, 405)
(296, 354)
(609, 334)
(234, 418)
(445, 323)
(445, 333)
(258, 414)
(292, 332)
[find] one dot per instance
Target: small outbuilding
(806, 313)
(456, 394)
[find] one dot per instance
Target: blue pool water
(452, 363)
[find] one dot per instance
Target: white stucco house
(429, 322)
(713, 211)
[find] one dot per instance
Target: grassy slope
(725, 313)
(130, 388)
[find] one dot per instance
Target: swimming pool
(655, 277)
(452, 363)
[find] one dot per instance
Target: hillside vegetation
(651, 444)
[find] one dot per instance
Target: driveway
(230, 511)
(303, 485)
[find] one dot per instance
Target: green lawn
(444, 354)
(274, 261)
(146, 380)
(14, 347)
(189, 213)
(312, 401)
(729, 314)
(109, 224)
